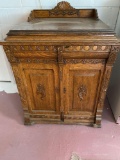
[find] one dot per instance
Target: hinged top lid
(63, 18)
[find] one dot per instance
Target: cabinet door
(43, 90)
(82, 84)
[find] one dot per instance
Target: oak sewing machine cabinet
(62, 60)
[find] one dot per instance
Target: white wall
(13, 12)
(113, 92)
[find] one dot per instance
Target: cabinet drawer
(34, 51)
(86, 51)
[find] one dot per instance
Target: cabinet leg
(27, 120)
(97, 125)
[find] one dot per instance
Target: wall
(113, 92)
(13, 12)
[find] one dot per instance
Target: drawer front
(86, 52)
(54, 54)
(38, 51)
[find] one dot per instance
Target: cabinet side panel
(20, 85)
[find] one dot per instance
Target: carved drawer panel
(86, 51)
(32, 51)
(50, 54)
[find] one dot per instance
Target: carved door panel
(42, 86)
(82, 83)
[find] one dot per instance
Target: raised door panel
(83, 85)
(42, 88)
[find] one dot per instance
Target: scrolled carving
(82, 91)
(41, 90)
(63, 6)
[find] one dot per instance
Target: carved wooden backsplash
(63, 10)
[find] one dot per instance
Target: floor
(54, 142)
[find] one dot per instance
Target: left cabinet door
(42, 85)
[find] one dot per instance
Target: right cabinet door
(82, 84)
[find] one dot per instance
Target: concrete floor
(54, 142)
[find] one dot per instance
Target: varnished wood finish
(63, 9)
(62, 69)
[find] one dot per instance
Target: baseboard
(8, 87)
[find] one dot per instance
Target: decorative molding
(82, 92)
(36, 60)
(77, 117)
(41, 90)
(112, 58)
(87, 48)
(46, 116)
(83, 61)
(10, 55)
(10, 50)
(115, 49)
(113, 55)
(63, 12)
(23, 48)
(33, 48)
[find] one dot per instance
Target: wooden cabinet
(62, 61)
